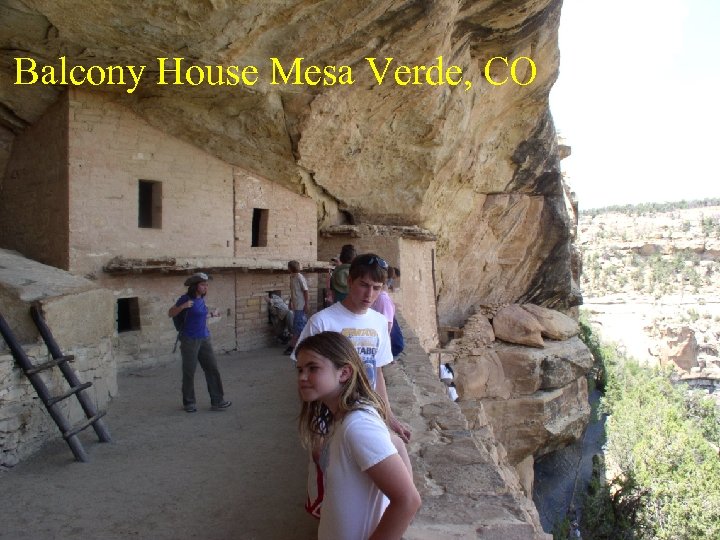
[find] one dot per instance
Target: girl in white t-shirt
(369, 492)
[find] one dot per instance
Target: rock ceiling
(476, 166)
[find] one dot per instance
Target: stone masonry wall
(239, 296)
(415, 291)
(25, 424)
(78, 314)
(290, 231)
(253, 327)
(34, 191)
(385, 246)
(110, 150)
(152, 343)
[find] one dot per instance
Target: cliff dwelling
(109, 198)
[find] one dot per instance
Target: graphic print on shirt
(366, 342)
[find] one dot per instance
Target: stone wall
(239, 296)
(34, 190)
(110, 151)
(204, 208)
(253, 327)
(151, 343)
(291, 219)
(416, 294)
(79, 315)
(468, 488)
(25, 424)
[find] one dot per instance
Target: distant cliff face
(650, 278)
(477, 166)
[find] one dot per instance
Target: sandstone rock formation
(515, 325)
(469, 487)
(534, 399)
(650, 282)
(477, 167)
(555, 325)
(680, 349)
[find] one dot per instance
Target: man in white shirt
(299, 303)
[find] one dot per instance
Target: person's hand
(188, 304)
(401, 429)
(215, 313)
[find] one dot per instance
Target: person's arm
(177, 309)
(392, 478)
(398, 427)
(306, 295)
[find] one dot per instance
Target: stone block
(540, 423)
(481, 376)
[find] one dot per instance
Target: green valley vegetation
(659, 477)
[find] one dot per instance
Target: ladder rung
(73, 390)
(87, 423)
(49, 364)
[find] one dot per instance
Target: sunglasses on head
(375, 260)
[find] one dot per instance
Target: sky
(638, 100)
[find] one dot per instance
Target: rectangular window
(128, 314)
(259, 227)
(149, 204)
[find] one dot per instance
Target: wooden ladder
(93, 417)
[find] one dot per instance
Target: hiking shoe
(289, 350)
(190, 408)
(221, 406)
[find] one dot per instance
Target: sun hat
(198, 277)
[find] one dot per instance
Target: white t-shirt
(298, 284)
(368, 332)
(353, 504)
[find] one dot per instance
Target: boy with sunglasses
(366, 328)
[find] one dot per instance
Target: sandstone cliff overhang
(477, 168)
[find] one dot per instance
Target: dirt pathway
(233, 474)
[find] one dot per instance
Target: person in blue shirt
(195, 344)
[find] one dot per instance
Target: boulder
(515, 325)
(555, 325)
(479, 330)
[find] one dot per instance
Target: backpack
(397, 342)
(179, 320)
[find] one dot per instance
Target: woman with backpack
(190, 314)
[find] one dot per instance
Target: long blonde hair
(315, 418)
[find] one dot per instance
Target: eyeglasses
(374, 259)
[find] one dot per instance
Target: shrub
(659, 443)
